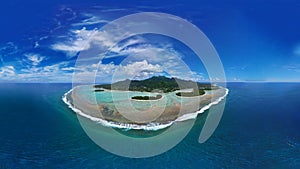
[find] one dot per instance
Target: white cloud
(292, 67)
(80, 43)
(123, 48)
(105, 72)
(8, 49)
(34, 59)
(36, 44)
(138, 70)
(194, 76)
(142, 60)
(106, 69)
(235, 79)
(7, 71)
(68, 69)
(91, 20)
(164, 57)
(70, 50)
(113, 9)
(73, 46)
(216, 79)
(82, 40)
(49, 73)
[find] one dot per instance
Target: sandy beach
(175, 107)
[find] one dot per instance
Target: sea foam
(189, 116)
(149, 126)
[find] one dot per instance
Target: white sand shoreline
(149, 126)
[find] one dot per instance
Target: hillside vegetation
(160, 84)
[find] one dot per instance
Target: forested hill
(157, 84)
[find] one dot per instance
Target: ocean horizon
(259, 129)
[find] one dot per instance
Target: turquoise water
(106, 96)
(259, 129)
(124, 97)
(120, 101)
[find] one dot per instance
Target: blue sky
(256, 41)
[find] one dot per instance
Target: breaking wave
(149, 126)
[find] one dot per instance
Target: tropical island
(157, 100)
(159, 84)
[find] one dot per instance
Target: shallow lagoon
(114, 106)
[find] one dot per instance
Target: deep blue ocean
(260, 128)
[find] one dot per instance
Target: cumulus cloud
(168, 59)
(105, 72)
(137, 70)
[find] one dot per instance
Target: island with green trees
(134, 103)
(159, 84)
